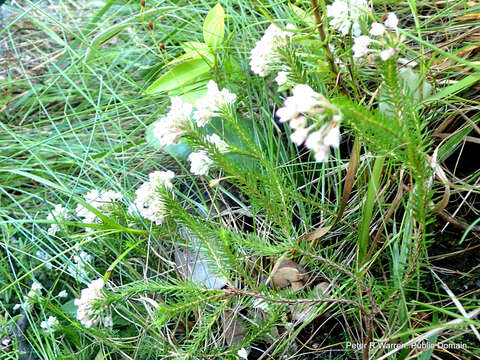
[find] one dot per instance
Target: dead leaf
(288, 273)
(316, 234)
(349, 177)
(468, 17)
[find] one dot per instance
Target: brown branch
(323, 37)
(240, 292)
(458, 224)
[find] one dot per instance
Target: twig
(240, 292)
(323, 37)
(456, 223)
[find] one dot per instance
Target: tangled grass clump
(239, 180)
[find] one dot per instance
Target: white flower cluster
(100, 200)
(32, 296)
(80, 266)
(265, 53)
(148, 201)
(298, 108)
(282, 77)
(171, 127)
(346, 14)
(214, 139)
(82, 258)
(210, 105)
(89, 311)
(361, 43)
(58, 214)
(200, 162)
(50, 324)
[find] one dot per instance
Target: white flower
(387, 54)
(316, 143)
(62, 294)
(37, 286)
(58, 214)
(6, 341)
(314, 140)
(306, 98)
(265, 52)
(298, 123)
(242, 353)
(42, 255)
(360, 46)
(50, 324)
(100, 200)
(148, 201)
(299, 136)
(214, 139)
(321, 154)
(346, 14)
(304, 104)
(377, 29)
(57, 211)
(200, 163)
(89, 312)
(303, 100)
(203, 115)
(287, 112)
(392, 21)
(282, 78)
(83, 258)
(26, 305)
(212, 103)
(80, 266)
(108, 321)
(332, 138)
(170, 128)
(33, 295)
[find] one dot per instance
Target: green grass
(74, 117)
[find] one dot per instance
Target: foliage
(350, 227)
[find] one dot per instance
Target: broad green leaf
(411, 83)
(303, 15)
(194, 95)
(69, 307)
(194, 50)
(102, 37)
(214, 27)
(192, 86)
(179, 151)
(194, 54)
(179, 75)
(195, 46)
